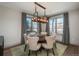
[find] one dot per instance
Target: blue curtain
(66, 33)
(47, 27)
(39, 27)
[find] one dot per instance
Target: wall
(74, 27)
(10, 26)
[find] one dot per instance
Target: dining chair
(50, 44)
(33, 45)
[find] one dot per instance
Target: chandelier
(36, 18)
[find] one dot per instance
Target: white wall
(74, 27)
(10, 26)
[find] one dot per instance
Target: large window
(31, 26)
(56, 24)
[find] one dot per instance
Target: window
(51, 25)
(60, 25)
(30, 25)
(34, 26)
(56, 24)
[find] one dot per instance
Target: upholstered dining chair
(33, 45)
(49, 45)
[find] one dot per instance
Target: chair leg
(40, 50)
(29, 53)
(47, 53)
(25, 48)
(53, 51)
(36, 53)
(55, 45)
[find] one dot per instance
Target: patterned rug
(19, 51)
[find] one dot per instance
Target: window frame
(31, 29)
(54, 19)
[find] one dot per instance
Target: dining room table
(42, 39)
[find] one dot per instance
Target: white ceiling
(51, 7)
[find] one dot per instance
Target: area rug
(19, 51)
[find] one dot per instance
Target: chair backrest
(50, 41)
(32, 42)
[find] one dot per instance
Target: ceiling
(52, 8)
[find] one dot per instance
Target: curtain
(23, 27)
(47, 27)
(66, 34)
(39, 27)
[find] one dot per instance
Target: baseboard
(74, 45)
(67, 44)
(12, 46)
